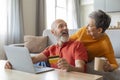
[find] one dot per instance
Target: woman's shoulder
(82, 28)
(105, 39)
(105, 36)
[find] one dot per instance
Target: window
(61, 9)
(3, 17)
(56, 9)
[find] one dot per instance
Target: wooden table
(7, 74)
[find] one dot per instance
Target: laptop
(21, 60)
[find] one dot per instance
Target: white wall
(85, 11)
(115, 17)
(29, 12)
(88, 8)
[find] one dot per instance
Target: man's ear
(100, 30)
(52, 31)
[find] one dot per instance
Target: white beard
(64, 38)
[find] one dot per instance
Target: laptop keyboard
(42, 69)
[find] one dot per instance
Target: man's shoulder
(51, 47)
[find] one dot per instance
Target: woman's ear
(100, 30)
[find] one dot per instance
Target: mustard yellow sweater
(96, 47)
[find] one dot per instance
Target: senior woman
(96, 40)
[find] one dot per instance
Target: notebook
(21, 60)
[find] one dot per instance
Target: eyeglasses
(91, 26)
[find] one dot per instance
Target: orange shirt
(96, 47)
(71, 51)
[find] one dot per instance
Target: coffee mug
(99, 63)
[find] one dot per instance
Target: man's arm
(79, 65)
(38, 58)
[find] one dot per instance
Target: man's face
(91, 28)
(61, 31)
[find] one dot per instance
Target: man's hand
(63, 64)
(8, 65)
(107, 67)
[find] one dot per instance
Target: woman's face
(91, 28)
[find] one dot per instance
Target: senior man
(73, 55)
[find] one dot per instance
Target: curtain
(40, 17)
(73, 7)
(12, 30)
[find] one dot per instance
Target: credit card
(53, 59)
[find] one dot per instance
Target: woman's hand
(107, 67)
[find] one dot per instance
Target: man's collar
(62, 44)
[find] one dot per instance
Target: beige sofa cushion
(35, 44)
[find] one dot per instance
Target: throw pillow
(35, 44)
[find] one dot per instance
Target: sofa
(115, 39)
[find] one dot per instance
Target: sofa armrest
(19, 45)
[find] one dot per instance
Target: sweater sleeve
(76, 35)
(110, 54)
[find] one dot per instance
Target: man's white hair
(54, 24)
